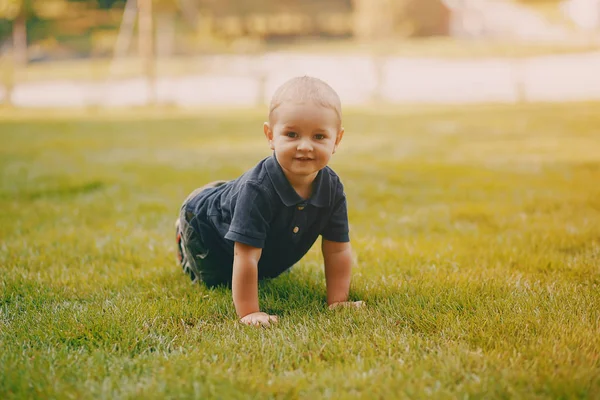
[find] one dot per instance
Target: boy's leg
(181, 257)
(190, 250)
(189, 246)
(198, 262)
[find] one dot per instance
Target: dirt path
(358, 79)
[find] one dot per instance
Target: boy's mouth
(303, 158)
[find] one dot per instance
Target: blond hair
(306, 88)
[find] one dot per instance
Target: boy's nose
(304, 145)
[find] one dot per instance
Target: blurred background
(187, 53)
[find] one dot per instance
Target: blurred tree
(9, 9)
(106, 4)
(17, 12)
(165, 12)
(275, 19)
(375, 19)
(425, 18)
(51, 9)
(146, 11)
(146, 44)
(146, 39)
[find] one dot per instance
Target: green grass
(477, 240)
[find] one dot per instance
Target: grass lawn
(477, 240)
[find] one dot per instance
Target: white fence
(247, 81)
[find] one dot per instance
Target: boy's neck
(302, 185)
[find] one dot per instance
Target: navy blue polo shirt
(262, 209)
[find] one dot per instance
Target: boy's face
(303, 136)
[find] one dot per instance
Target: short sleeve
(251, 216)
(337, 229)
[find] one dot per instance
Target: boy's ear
(268, 134)
(338, 139)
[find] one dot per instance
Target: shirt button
(300, 208)
(296, 229)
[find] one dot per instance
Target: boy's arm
(244, 285)
(338, 268)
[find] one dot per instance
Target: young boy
(260, 224)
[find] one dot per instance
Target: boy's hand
(259, 319)
(347, 304)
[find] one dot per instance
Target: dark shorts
(196, 253)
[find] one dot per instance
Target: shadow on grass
(58, 192)
(296, 291)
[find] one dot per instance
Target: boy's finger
(251, 321)
(260, 321)
(265, 321)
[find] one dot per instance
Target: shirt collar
(321, 196)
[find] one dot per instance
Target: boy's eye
(291, 134)
(319, 136)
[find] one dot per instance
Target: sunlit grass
(476, 233)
